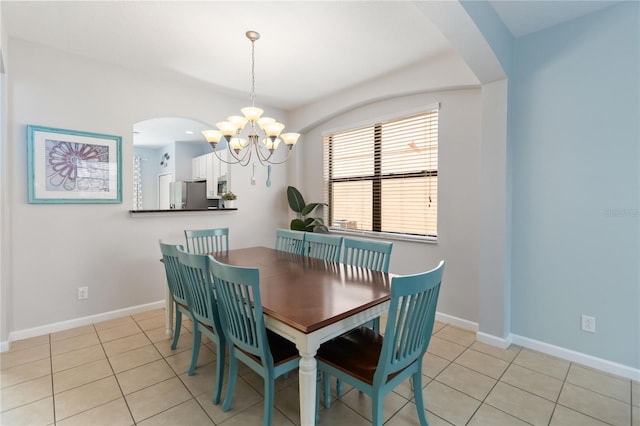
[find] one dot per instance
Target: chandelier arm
(261, 156)
(267, 160)
(246, 153)
(283, 161)
(223, 160)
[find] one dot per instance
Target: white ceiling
(308, 49)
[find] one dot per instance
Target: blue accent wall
(574, 136)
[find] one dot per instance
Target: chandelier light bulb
(212, 136)
(264, 121)
(273, 130)
(290, 139)
(226, 128)
(239, 122)
(271, 145)
(237, 144)
(252, 113)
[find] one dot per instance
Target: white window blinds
(384, 177)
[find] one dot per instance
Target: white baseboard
(77, 322)
(489, 339)
(546, 348)
(573, 356)
(458, 322)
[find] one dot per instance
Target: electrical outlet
(588, 324)
(83, 293)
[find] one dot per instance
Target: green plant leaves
(296, 202)
(310, 207)
(303, 223)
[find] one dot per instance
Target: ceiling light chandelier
(241, 148)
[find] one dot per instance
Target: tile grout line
(498, 380)
(93, 381)
(53, 392)
(194, 397)
(564, 382)
(115, 377)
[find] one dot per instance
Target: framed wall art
(69, 166)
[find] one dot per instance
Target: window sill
(384, 236)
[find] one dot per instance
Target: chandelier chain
(253, 72)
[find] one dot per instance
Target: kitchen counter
(138, 213)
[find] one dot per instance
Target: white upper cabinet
(210, 168)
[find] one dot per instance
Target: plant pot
(229, 204)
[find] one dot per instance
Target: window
(384, 177)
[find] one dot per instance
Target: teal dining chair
(368, 254)
(204, 308)
(265, 352)
(202, 241)
(376, 364)
(176, 287)
(322, 246)
(290, 241)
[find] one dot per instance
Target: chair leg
(417, 393)
(269, 390)
(195, 350)
(376, 407)
(178, 326)
(217, 390)
(339, 387)
(233, 372)
(318, 376)
(326, 378)
(375, 325)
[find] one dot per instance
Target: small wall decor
(69, 166)
(165, 160)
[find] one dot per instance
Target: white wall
(5, 290)
(56, 248)
(458, 190)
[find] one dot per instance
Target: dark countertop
(181, 210)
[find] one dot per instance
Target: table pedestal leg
(168, 300)
(307, 372)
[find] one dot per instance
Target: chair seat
(356, 353)
(282, 350)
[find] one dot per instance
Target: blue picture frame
(70, 166)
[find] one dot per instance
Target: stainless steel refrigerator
(189, 195)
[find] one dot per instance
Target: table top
(307, 293)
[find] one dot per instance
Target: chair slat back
(323, 246)
(203, 241)
(410, 322)
(367, 254)
(290, 241)
(199, 284)
(238, 294)
(172, 270)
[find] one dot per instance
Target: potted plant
(302, 210)
(229, 199)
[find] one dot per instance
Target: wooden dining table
(309, 301)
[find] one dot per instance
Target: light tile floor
(123, 372)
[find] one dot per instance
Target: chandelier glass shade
(263, 136)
